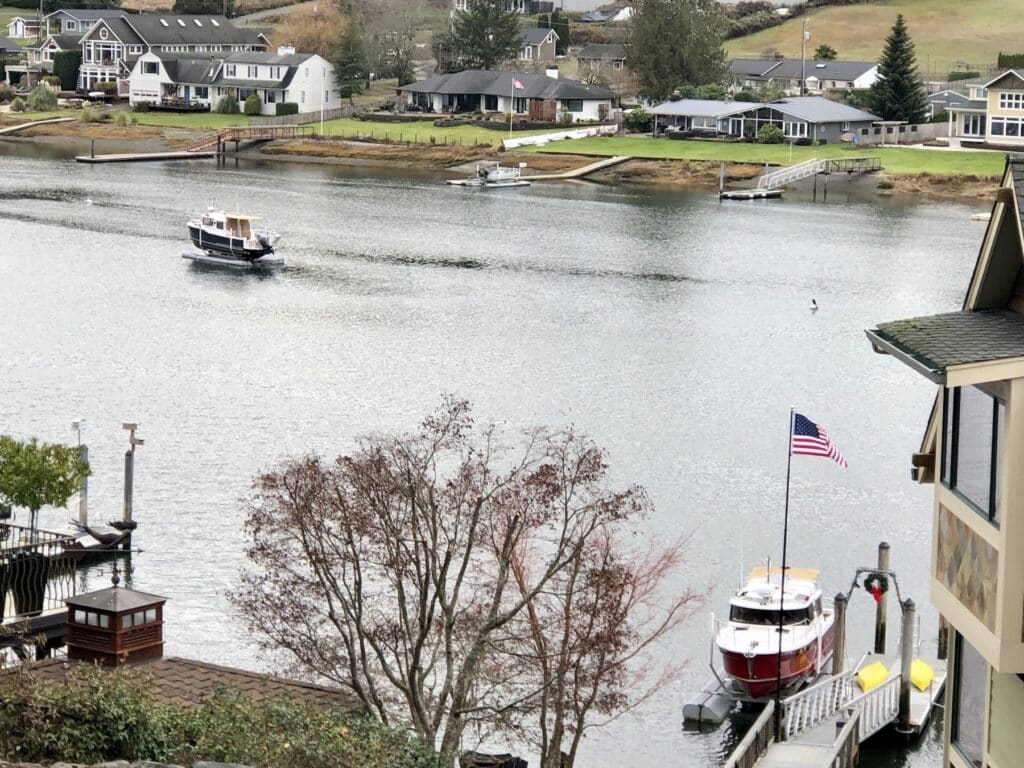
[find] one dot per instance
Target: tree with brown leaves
(402, 570)
(316, 29)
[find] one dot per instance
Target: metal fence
(36, 572)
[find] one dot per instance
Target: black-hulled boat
(230, 239)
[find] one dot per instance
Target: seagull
(814, 305)
(88, 201)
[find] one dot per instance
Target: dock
(142, 157)
(22, 126)
(771, 184)
(581, 172)
(208, 146)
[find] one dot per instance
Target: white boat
(230, 239)
(494, 175)
(749, 641)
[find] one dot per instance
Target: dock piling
(129, 468)
(721, 177)
(83, 492)
(943, 644)
(839, 651)
(92, 148)
(906, 659)
(883, 567)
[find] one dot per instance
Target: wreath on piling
(876, 584)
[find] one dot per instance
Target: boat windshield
(743, 615)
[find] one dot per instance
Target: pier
(771, 184)
(22, 126)
(207, 146)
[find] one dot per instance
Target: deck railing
(878, 707)
(36, 572)
(813, 705)
(845, 752)
(252, 133)
(756, 742)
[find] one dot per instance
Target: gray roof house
(819, 75)
(602, 52)
(77, 21)
(539, 96)
(537, 44)
(9, 46)
(800, 117)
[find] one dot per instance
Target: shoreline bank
(440, 158)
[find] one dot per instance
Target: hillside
(944, 32)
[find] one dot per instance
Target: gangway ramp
(814, 166)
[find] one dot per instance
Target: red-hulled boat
(749, 641)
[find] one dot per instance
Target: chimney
(115, 626)
(285, 50)
(552, 72)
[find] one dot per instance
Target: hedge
(65, 66)
(286, 108)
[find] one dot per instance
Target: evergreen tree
(675, 43)
(349, 58)
(898, 93)
(825, 52)
(485, 35)
(559, 22)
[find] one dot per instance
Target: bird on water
(814, 305)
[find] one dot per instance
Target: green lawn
(200, 121)
(944, 32)
(897, 160)
(420, 131)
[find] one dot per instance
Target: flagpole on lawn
(782, 583)
(511, 105)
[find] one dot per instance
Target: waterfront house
(305, 79)
(24, 26)
(541, 98)
(38, 60)
(527, 7)
(77, 21)
(537, 44)
(972, 451)
(800, 117)
(111, 46)
(819, 76)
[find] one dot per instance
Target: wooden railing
(754, 744)
(845, 752)
(241, 133)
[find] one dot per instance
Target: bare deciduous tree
(391, 571)
(311, 30)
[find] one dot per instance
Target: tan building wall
(1005, 737)
(1005, 105)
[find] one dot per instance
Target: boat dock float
(586, 170)
(750, 194)
(141, 157)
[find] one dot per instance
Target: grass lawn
(420, 131)
(944, 32)
(7, 13)
(201, 121)
(27, 117)
(897, 160)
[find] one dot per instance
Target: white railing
(791, 173)
(813, 705)
(844, 753)
(878, 708)
(577, 133)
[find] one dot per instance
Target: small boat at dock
(753, 648)
(231, 240)
(494, 175)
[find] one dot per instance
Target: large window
(150, 68)
(972, 447)
(970, 679)
(1011, 100)
(1006, 126)
(574, 105)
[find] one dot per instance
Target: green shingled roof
(935, 342)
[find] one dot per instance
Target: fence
(36, 572)
(754, 744)
(305, 118)
(902, 134)
(544, 138)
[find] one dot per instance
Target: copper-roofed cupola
(115, 626)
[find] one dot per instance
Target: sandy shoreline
(104, 138)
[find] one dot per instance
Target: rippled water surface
(672, 328)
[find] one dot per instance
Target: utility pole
(803, 57)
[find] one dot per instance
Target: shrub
(42, 99)
(65, 66)
(134, 120)
(90, 115)
(1010, 60)
(6, 93)
(18, 105)
(286, 108)
(252, 105)
(109, 87)
(961, 75)
(52, 80)
(121, 120)
(227, 105)
(602, 112)
(769, 134)
(142, 106)
(638, 119)
(565, 116)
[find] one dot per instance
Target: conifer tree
(898, 93)
(485, 34)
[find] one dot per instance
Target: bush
(227, 105)
(961, 75)
(286, 108)
(18, 105)
(1010, 60)
(638, 119)
(121, 120)
(42, 99)
(770, 134)
(109, 87)
(134, 120)
(52, 80)
(90, 115)
(6, 93)
(142, 106)
(252, 105)
(565, 116)
(65, 66)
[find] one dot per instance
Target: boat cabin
(233, 224)
(758, 601)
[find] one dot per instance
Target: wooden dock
(22, 126)
(581, 172)
(142, 157)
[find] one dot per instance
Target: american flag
(517, 85)
(809, 439)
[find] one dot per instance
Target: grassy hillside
(943, 31)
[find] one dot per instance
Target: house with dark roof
(113, 45)
(611, 55)
(38, 60)
(24, 26)
(537, 44)
(818, 75)
(606, 63)
(800, 117)
(77, 21)
(305, 79)
(971, 452)
(8, 47)
(540, 97)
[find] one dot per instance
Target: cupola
(115, 626)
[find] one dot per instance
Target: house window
(970, 679)
(229, 70)
(134, 49)
(573, 105)
(972, 447)
(150, 68)
(974, 125)
(616, 65)
(71, 25)
(302, 97)
(104, 34)
(1011, 100)
(844, 126)
(491, 103)
(275, 73)
(271, 96)
(795, 130)
(252, 72)
(526, 53)
(202, 92)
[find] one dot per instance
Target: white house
(541, 97)
(21, 26)
(304, 79)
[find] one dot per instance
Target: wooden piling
(906, 659)
(839, 651)
(883, 568)
(92, 148)
(721, 177)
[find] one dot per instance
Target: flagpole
(782, 584)
(511, 105)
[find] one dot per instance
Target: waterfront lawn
(420, 131)
(200, 121)
(899, 160)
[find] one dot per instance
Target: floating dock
(749, 194)
(142, 157)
